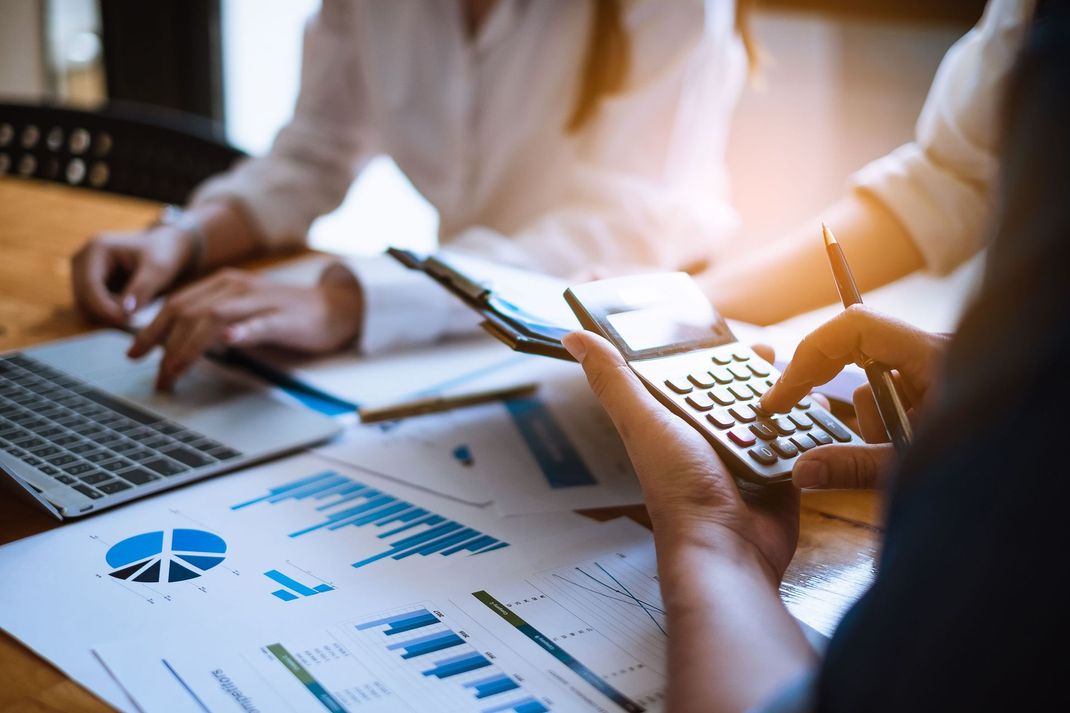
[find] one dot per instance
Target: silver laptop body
(82, 427)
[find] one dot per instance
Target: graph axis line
(628, 592)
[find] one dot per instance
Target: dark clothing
(967, 612)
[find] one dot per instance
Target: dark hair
(608, 59)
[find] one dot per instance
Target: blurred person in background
(553, 135)
(923, 206)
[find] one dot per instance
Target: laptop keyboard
(88, 440)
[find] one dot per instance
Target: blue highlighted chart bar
(557, 457)
(428, 644)
(408, 530)
(294, 589)
(499, 683)
(400, 623)
(457, 665)
(524, 705)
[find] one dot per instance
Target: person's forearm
(229, 234)
(732, 643)
(791, 275)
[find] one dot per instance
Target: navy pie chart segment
(166, 555)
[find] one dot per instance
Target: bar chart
(338, 502)
(442, 664)
(292, 589)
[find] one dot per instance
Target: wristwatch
(186, 222)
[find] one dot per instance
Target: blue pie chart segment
(166, 555)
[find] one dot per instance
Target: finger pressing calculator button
(739, 371)
(722, 358)
(701, 379)
(721, 419)
(723, 375)
(723, 396)
(742, 436)
(783, 426)
(743, 413)
(803, 442)
(785, 447)
(763, 430)
(741, 392)
(700, 401)
(762, 454)
(680, 386)
(820, 437)
(758, 369)
(827, 422)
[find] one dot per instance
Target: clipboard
(507, 322)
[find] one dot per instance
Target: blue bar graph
(492, 685)
(294, 589)
(524, 705)
(457, 665)
(428, 644)
(407, 529)
(400, 623)
(557, 457)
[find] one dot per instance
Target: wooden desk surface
(41, 225)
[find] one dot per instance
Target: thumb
(146, 282)
(858, 467)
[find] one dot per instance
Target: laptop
(82, 427)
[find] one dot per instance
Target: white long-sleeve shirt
(939, 185)
(478, 125)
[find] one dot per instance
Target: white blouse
(478, 126)
(939, 185)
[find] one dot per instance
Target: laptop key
(166, 467)
(224, 453)
(188, 456)
(138, 476)
(62, 460)
(95, 477)
(65, 479)
(87, 491)
(79, 468)
(46, 451)
(98, 456)
(115, 465)
(114, 487)
(48, 470)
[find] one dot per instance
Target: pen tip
(830, 239)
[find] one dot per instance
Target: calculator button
(757, 388)
(740, 372)
(803, 442)
(743, 413)
(820, 437)
(680, 386)
(804, 404)
(722, 396)
(723, 376)
(741, 392)
(763, 430)
(721, 419)
(722, 358)
(758, 369)
(785, 447)
(701, 379)
(700, 401)
(740, 355)
(742, 436)
(784, 426)
(830, 424)
(762, 454)
(801, 421)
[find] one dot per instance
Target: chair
(135, 151)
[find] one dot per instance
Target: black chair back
(134, 151)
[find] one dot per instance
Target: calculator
(683, 351)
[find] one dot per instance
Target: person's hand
(691, 497)
(115, 274)
(236, 309)
(851, 337)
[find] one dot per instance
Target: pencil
(435, 404)
(889, 403)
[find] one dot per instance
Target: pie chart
(166, 555)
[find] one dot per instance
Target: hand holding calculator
(688, 358)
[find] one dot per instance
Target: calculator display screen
(661, 325)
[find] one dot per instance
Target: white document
(272, 543)
(555, 450)
(578, 626)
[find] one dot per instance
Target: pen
(889, 404)
(434, 404)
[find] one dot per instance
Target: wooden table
(41, 225)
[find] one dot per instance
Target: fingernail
(234, 335)
(810, 474)
(575, 345)
(129, 304)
